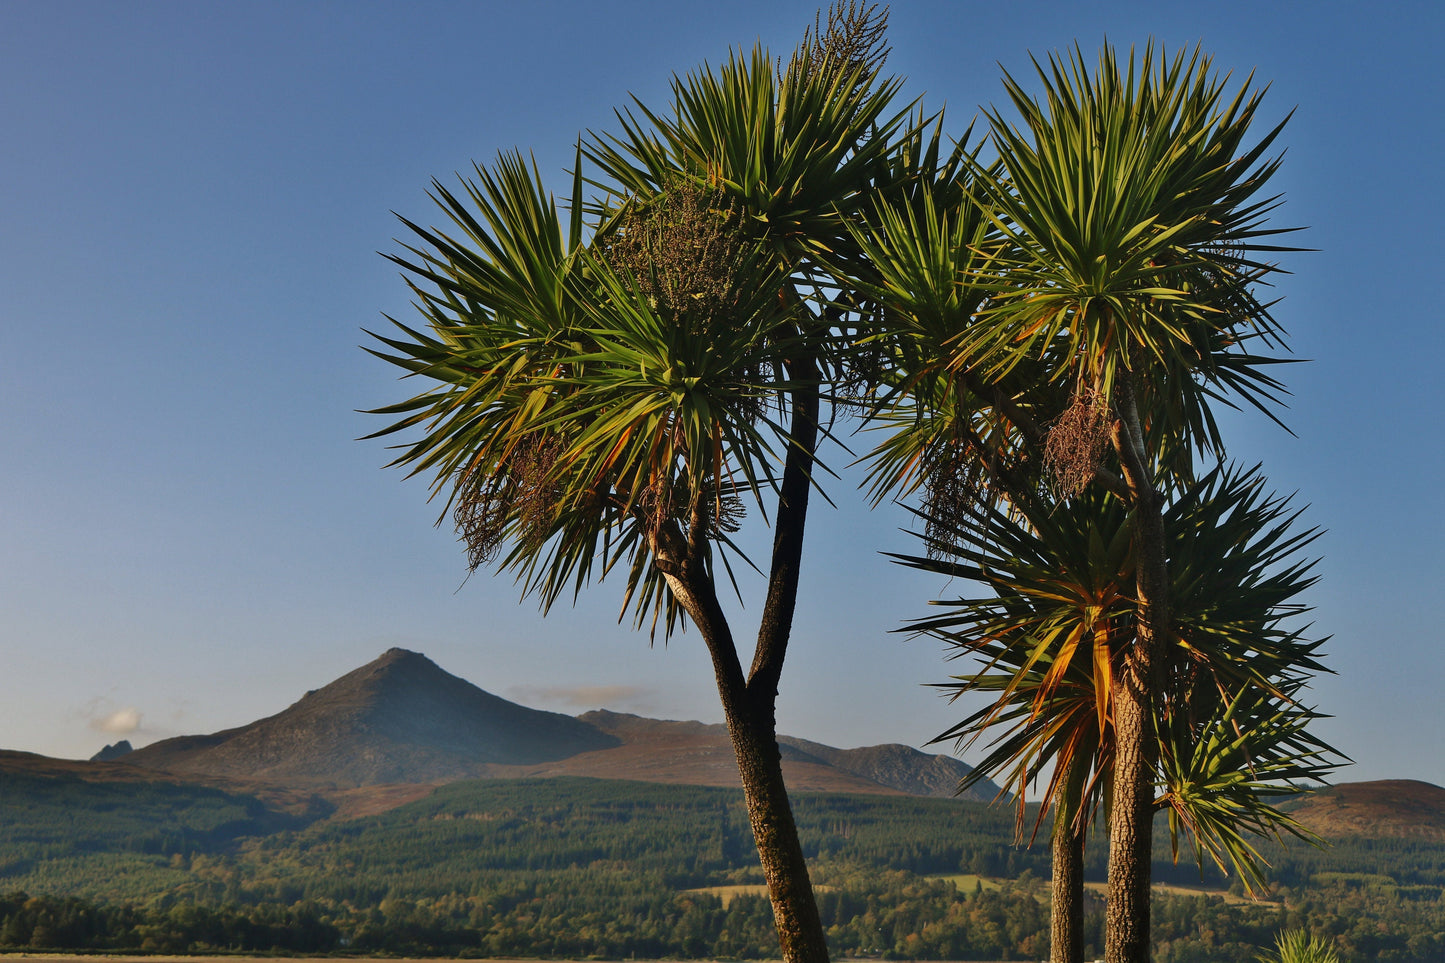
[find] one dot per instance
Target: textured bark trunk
(751, 722)
(795, 911)
(1126, 914)
(1131, 818)
(1066, 909)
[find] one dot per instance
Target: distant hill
(1384, 809)
(900, 767)
(399, 719)
(403, 721)
(697, 754)
(21, 767)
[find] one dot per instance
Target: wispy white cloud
(632, 697)
(121, 722)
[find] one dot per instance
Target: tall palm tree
(1056, 625)
(1133, 215)
(1107, 298)
(613, 386)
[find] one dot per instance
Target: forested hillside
(579, 867)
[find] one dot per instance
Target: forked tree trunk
(1131, 819)
(1066, 907)
(749, 700)
(748, 708)
(795, 911)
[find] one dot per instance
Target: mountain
(900, 767)
(1383, 809)
(403, 723)
(399, 719)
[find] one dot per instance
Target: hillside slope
(699, 754)
(1384, 809)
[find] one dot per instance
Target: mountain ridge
(401, 720)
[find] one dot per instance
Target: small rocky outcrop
(112, 753)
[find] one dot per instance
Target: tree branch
(777, 619)
(693, 589)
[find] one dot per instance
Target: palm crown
(618, 377)
(1060, 619)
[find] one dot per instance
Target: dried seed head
(522, 490)
(1076, 441)
(854, 37)
(481, 521)
(954, 483)
(684, 249)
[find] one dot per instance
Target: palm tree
(1105, 300)
(1297, 946)
(612, 386)
(1057, 625)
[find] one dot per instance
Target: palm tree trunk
(1066, 908)
(1131, 817)
(790, 889)
(1126, 915)
(795, 911)
(749, 702)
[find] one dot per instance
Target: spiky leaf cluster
(1057, 623)
(1298, 946)
(1133, 216)
(612, 383)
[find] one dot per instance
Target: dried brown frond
(658, 504)
(854, 38)
(954, 482)
(523, 491)
(668, 501)
(1075, 443)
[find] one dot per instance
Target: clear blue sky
(191, 201)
